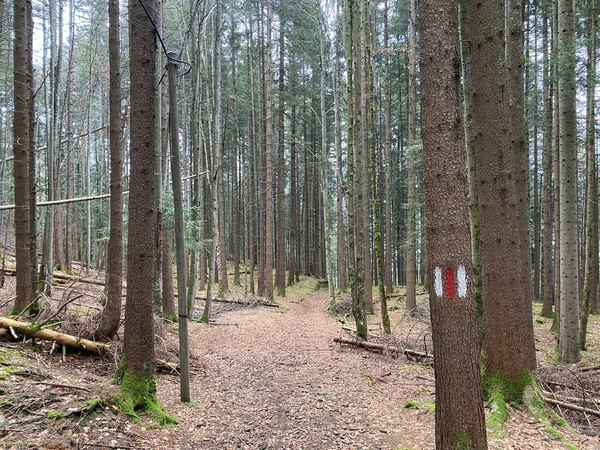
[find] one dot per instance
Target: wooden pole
(179, 237)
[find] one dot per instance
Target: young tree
(21, 136)
(590, 284)
(280, 234)
(411, 231)
(138, 388)
(569, 343)
(460, 419)
(268, 261)
(111, 314)
(547, 193)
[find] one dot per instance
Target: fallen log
(571, 406)
(62, 276)
(248, 302)
(32, 330)
(382, 347)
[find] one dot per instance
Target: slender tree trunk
(590, 284)
(363, 157)
(411, 270)
(281, 207)
(21, 136)
(111, 314)
(474, 221)
(569, 344)
(354, 172)
(547, 170)
(268, 267)
(218, 143)
(293, 261)
(387, 102)
(69, 157)
(236, 209)
(337, 93)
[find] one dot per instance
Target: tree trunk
(218, 144)
(168, 289)
(508, 330)
(354, 172)
(590, 284)
(459, 414)
(569, 281)
(293, 260)
(21, 132)
(281, 207)
(387, 102)
(547, 193)
(474, 220)
(411, 264)
(111, 314)
(69, 157)
(363, 158)
(138, 388)
(268, 267)
(341, 231)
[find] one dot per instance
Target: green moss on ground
(138, 393)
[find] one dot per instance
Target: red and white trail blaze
(448, 283)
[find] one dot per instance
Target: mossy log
(381, 347)
(33, 330)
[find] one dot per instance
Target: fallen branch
(33, 330)
(573, 407)
(62, 276)
(590, 368)
(249, 302)
(381, 347)
(64, 385)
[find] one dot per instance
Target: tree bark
(547, 192)
(268, 264)
(459, 414)
(411, 263)
(280, 194)
(21, 136)
(111, 314)
(508, 330)
(590, 284)
(569, 344)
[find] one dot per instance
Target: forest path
(274, 379)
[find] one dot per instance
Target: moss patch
(498, 390)
(138, 393)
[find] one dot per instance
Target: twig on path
(64, 385)
(108, 446)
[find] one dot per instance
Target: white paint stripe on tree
(461, 275)
(437, 277)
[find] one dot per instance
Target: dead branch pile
(574, 393)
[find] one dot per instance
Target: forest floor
(266, 378)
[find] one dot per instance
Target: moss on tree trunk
(138, 393)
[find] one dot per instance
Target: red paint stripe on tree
(449, 283)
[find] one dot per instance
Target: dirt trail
(274, 379)
(264, 378)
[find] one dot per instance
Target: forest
(252, 224)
